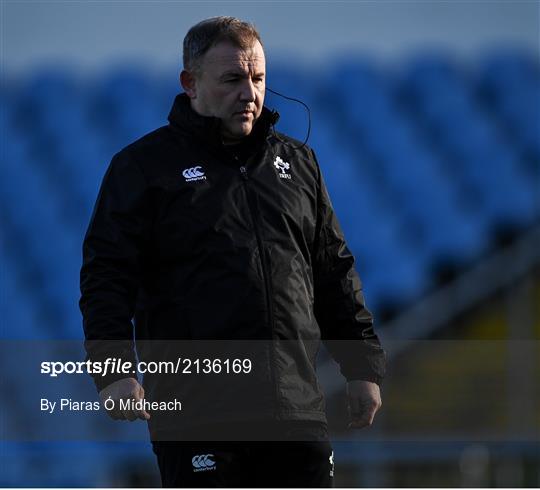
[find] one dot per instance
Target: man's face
(230, 85)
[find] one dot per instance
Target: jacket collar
(208, 128)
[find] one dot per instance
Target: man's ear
(187, 79)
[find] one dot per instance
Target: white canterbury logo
(202, 462)
(194, 173)
(282, 166)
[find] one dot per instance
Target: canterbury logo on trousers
(202, 462)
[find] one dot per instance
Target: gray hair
(209, 32)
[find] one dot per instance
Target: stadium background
(426, 121)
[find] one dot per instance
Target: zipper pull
(243, 171)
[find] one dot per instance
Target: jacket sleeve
(110, 274)
(345, 322)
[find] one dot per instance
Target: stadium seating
(431, 131)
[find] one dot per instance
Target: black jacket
(197, 240)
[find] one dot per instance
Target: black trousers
(259, 464)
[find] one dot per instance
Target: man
(216, 227)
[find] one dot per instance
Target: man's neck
(232, 142)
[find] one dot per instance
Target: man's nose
(248, 91)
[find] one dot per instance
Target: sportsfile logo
(282, 166)
(202, 462)
(194, 173)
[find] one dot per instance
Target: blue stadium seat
(125, 103)
(509, 84)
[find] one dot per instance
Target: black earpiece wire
(276, 117)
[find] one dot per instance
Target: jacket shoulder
(147, 144)
(293, 146)
(287, 140)
(146, 151)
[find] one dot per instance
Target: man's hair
(209, 32)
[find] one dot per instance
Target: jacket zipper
(266, 274)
